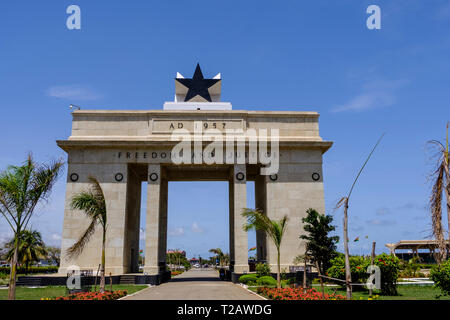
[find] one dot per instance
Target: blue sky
(273, 55)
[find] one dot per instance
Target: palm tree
(219, 255)
(21, 189)
(257, 220)
(441, 185)
(226, 259)
(31, 248)
(92, 203)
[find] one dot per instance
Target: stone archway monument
(196, 137)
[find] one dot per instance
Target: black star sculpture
(198, 85)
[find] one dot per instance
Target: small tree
(92, 203)
(275, 229)
(319, 244)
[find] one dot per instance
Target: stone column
(162, 248)
(132, 221)
(113, 179)
(238, 237)
(153, 220)
(260, 204)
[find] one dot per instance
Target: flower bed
(107, 295)
(175, 273)
(297, 294)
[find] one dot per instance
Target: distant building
(407, 249)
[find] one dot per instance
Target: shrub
(248, 279)
(262, 269)
(440, 274)
(390, 268)
(358, 268)
(266, 281)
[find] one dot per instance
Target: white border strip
(246, 288)
(139, 291)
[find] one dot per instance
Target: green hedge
(30, 270)
(248, 279)
(266, 281)
(440, 274)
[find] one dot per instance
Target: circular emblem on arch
(315, 176)
(240, 176)
(74, 177)
(118, 177)
(273, 177)
(153, 176)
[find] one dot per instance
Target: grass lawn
(405, 293)
(24, 293)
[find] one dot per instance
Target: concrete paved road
(195, 284)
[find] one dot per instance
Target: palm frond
(257, 220)
(92, 203)
(76, 249)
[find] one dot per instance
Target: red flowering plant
(297, 294)
(390, 269)
(107, 295)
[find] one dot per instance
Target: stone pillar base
(114, 270)
(241, 268)
(151, 270)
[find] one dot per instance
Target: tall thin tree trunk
(102, 270)
(320, 279)
(278, 269)
(447, 196)
(372, 258)
(13, 271)
(304, 276)
(348, 275)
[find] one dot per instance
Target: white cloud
(141, 234)
(75, 92)
(374, 94)
(377, 222)
(383, 211)
(56, 237)
(176, 232)
(195, 228)
(443, 12)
